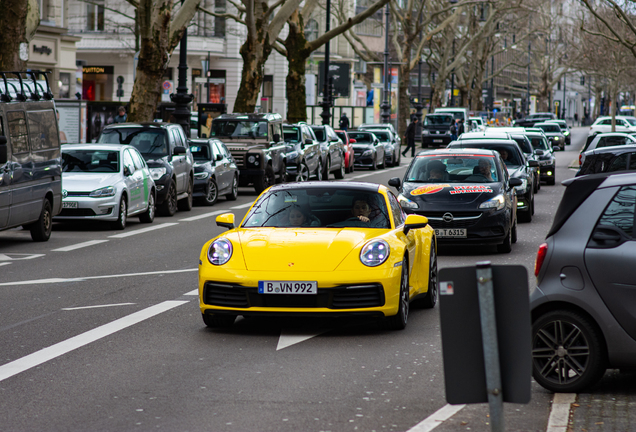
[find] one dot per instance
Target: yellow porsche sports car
(319, 248)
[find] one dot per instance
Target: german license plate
(287, 287)
(438, 141)
(70, 204)
(451, 232)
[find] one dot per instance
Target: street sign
(462, 342)
(167, 85)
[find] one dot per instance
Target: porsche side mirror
(414, 221)
(395, 182)
(225, 220)
(533, 163)
(515, 182)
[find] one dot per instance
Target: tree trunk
(13, 22)
(297, 54)
(146, 94)
(404, 103)
(255, 56)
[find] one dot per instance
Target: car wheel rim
(151, 206)
(303, 173)
(235, 187)
(404, 291)
(560, 352)
(212, 191)
(172, 199)
(122, 213)
(432, 277)
(47, 221)
(319, 171)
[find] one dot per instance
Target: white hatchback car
(107, 183)
(606, 140)
(604, 125)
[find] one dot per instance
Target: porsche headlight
(103, 192)
(497, 202)
(407, 203)
(220, 251)
(374, 253)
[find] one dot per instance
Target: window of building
(372, 26)
(94, 17)
(311, 30)
(219, 22)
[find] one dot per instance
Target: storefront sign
(98, 70)
(42, 49)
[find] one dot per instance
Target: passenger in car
(300, 216)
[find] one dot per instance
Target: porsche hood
(298, 250)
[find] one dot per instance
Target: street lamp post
(326, 96)
(386, 106)
(564, 96)
(452, 95)
(181, 98)
(528, 89)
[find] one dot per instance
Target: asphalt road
(100, 330)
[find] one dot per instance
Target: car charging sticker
(429, 189)
(470, 189)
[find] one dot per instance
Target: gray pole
(564, 96)
(181, 98)
(547, 50)
(326, 97)
(589, 100)
(385, 107)
(490, 344)
(492, 85)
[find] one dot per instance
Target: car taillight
(580, 157)
(541, 253)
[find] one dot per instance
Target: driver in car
(484, 169)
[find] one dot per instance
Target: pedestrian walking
(344, 122)
(460, 127)
(121, 116)
(409, 137)
(576, 119)
(453, 131)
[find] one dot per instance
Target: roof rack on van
(21, 94)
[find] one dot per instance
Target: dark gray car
(583, 310)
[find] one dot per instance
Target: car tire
(554, 335)
(383, 165)
(375, 163)
(327, 168)
(551, 181)
(399, 159)
(319, 171)
(169, 206)
(41, 229)
(211, 193)
(352, 166)
(506, 246)
(185, 204)
(399, 320)
(303, 173)
(218, 321)
(513, 235)
(149, 215)
(526, 215)
(341, 172)
(430, 299)
(233, 195)
(267, 180)
(282, 175)
(122, 212)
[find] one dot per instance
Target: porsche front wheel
(430, 299)
(398, 321)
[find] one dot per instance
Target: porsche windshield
(453, 169)
(239, 129)
(326, 207)
(90, 161)
(151, 143)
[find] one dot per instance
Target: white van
(458, 113)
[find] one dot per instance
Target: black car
(545, 155)
(526, 147)
(554, 133)
(466, 194)
(392, 155)
(303, 157)
(609, 159)
(436, 130)
(164, 146)
(582, 309)
(518, 167)
(332, 151)
(367, 149)
(532, 119)
(215, 172)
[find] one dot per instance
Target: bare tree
(160, 31)
(19, 19)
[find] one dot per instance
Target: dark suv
(257, 146)
(165, 148)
